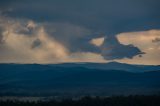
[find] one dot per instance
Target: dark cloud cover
(109, 16)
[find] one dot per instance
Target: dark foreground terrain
(92, 101)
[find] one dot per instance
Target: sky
(58, 31)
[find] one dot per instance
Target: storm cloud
(75, 27)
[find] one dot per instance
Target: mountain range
(78, 79)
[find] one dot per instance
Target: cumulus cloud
(25, 41)
(54, 31)
(144, 41)
(113, 49)
(36, 46)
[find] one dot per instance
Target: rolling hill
(79, 79)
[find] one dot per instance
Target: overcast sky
(56, 31)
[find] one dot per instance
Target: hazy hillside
(78, 79)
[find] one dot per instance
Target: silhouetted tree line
(92, 101)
